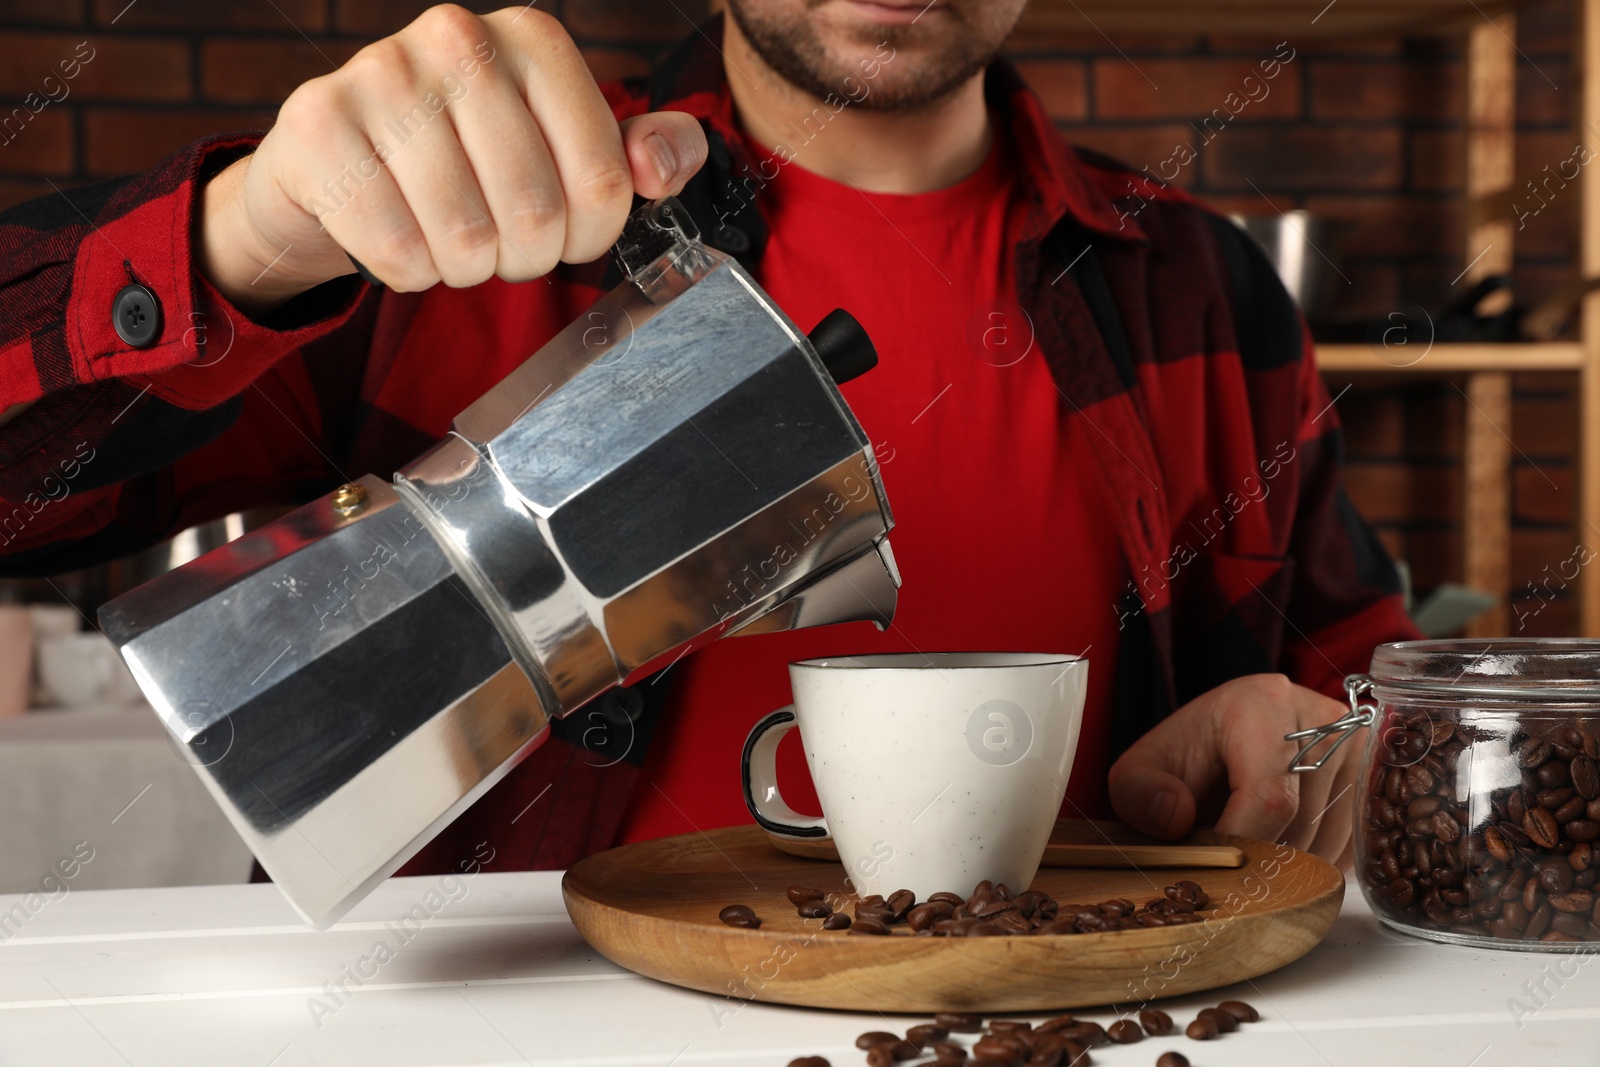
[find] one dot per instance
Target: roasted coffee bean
(1202, 1029)
(739, 915)
(869, 926)
(1156, 1022)
(904, 1050)
(880, 1056)
(1424, 807)
(948, 1054)
(959, 1022)
(1059, 1022)
(1172, 1059)
(926, 1034)
(1516, 805)
(874, 1038)
(1542, 828)
(1497, 845)
(900, 902)
(1585, 774)
(1000, 1046)
(1572, 809)
(837, 921)
(948, 898)
(1028, 902)
(1008, 1026)
(810, 1061)
(1532, 752)
(814, 909)
(1074, 1054)
(924, 916)
(799, 894)
(1554, 799)
(1012, 923)
(1574, 926)
(1125, 1032)
(1553, 774)
(1555, 875)
(1583, 830)
(1419, 780)
(1445, 827)
(990, 909)
(1240, 1010)
(1575, 903)
(1224, 1022)
(1086, 1033)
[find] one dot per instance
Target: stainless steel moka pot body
(677, 464)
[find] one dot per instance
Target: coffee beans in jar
(1480, 814)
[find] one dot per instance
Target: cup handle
(758, 769)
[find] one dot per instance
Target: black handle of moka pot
(843, 345)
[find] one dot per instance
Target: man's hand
(459, 149)
(1224, 751)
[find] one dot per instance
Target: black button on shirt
(136, 315)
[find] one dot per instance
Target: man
(1096, 410)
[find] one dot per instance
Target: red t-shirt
(1001, 533)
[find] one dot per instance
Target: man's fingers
(664, 148)
(1263, 805)
(1150, 799)
(577, 125)
(1333, 838)
(361, 207)
(517, 175)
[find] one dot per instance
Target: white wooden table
(225, 976)
(108, 776)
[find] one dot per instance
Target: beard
(932, 61)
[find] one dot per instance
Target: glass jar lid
(1524, 668)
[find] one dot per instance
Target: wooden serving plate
(1073, 843)
(652, 907)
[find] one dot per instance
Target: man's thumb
(664, 149)
(1150, 800)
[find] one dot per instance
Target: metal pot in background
(63, 666)
(1306, 250)
(124, 574)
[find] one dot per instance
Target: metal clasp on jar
(1356, 687)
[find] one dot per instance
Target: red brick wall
(1367, 130)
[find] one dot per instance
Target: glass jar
(1479, 817)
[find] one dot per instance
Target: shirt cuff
(205, 350)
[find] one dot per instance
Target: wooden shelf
(1450, 358)
(1297, 18)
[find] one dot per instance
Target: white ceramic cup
(935, 771)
